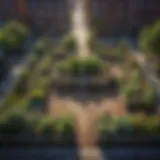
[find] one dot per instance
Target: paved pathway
(80, 28)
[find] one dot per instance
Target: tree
(149, 42)
(13, 35)
(149, 39)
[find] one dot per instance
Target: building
(112, 16)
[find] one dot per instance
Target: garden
(23, 110)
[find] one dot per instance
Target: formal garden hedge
(23, 123)
(136, 125)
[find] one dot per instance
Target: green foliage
(61, 126)
(37, 93)
(64, 125)
(136, 91)
(42, 46)
(149, 97)
(13, 122)
(145, 125)
(46, 126)
(111, 127)
(69, 42)
(20, 87)
(138, 124)
(90, 66)
(107, 126)
(149, 40)
(13, 35)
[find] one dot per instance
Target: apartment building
(113, 16)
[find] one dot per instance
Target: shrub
(134, 125)
(37, 93)
(65, 125)
(21, 86)
(131, 92)
(149, 97)
(138, 93)
(107, 126)
(42, 46)
(49, 126)
(13, 35)
(145, 125)
(45, 127)
(111, 127)
(149, 39)
(13, 122)
(69, 42)
(90, 66)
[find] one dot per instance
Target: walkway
(86, 116)
(80, 28)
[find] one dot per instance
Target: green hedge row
(19, 122)
(134, 125)
(81, 67)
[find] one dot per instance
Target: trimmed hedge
(17, 122)
(81, 67)
(134, 125)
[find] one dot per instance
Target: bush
(139, 94)
(21, 86)
(45, 127)
(69, 42)
(111, 127)
(149, 39)
(58, 127)
(90, 66)
(13, 35)
(134, 125)
(42, 46)
(13, 122)
(145, 125)
(65, 126)
(107, 126)
(149, 97)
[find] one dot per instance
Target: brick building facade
(113, 16)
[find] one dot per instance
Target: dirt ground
(85, 114)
